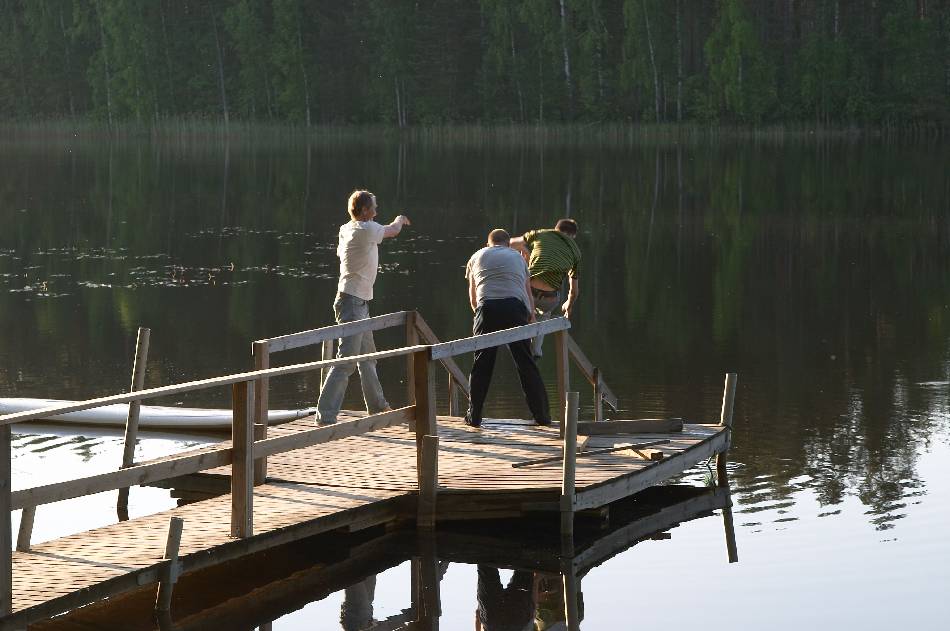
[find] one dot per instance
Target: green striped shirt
(553, 255)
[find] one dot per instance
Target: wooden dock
(405, 466)
(290, 577)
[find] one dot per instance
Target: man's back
(553, 255)
(359, 257)
(499, 272)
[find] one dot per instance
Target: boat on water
(150, 416)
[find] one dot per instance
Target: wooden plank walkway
(349, 483)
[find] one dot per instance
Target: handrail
(429, 337)
(153, 393)
(334, 331)
(589, 371)
(202, 459)
(497, 338)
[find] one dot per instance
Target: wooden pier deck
(400, 466)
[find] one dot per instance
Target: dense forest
(416, 62)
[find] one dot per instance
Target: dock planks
(349, 483)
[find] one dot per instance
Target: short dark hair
(499, 236)
(359, 200)
(567, 226)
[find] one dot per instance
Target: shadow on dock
(253, 591)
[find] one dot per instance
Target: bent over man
(499, 294)
(552, 255)
(359, 260)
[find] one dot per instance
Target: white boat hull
(150, 416)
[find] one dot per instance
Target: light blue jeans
(348, 308)
(545, 308)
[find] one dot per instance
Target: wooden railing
(249, 443)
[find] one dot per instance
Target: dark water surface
(819, 271)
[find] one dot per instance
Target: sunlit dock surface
(349, 484)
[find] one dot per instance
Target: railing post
(563, 371)
(6, 533)
(326, 352)
(570, 464)
(598, 396)
(132, 422)
(427, 438)
(242, 467)
(412, 338)
(261, 352)
(454, 408)
(163, 600)
(26, 529)
(725, 419)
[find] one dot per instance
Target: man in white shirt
(359, 259)
(499, 292)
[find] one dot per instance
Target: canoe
(158, 416)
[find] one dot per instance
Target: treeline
(410, 62)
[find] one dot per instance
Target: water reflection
(815, 270)
(523, 580)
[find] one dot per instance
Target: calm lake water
(819, 271)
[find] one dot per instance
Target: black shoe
(472, 422)
(542, 422)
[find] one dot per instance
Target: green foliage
(410, 62)
(742, 79)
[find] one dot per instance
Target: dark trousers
(495, 315)
(508, 608)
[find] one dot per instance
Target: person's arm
(471, 292)
(391, 230)
(519, 244)
(572, 293)
(532, 316)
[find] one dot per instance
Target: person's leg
(369, 379)
(531, 382)
(545, 308)
(484, 365)
(478, 382)
(331, 395)
(488, 592)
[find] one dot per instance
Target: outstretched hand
(404, 220)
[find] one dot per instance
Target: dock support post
(412, 338)
(571, 598)
(729, 525)
(326, 352)
(454, 408)
(132, 422)
(261, 352)
(725, 419)
(598, 396)
(242, 467)
(427, 438)
(426, 592)
(163, 600)
(6, 533)
(570, 464)
(26, 529)
(563, 371)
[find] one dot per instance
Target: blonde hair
(359, 199)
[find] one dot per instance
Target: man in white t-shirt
(359, 259)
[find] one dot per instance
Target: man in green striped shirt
(552, 256)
